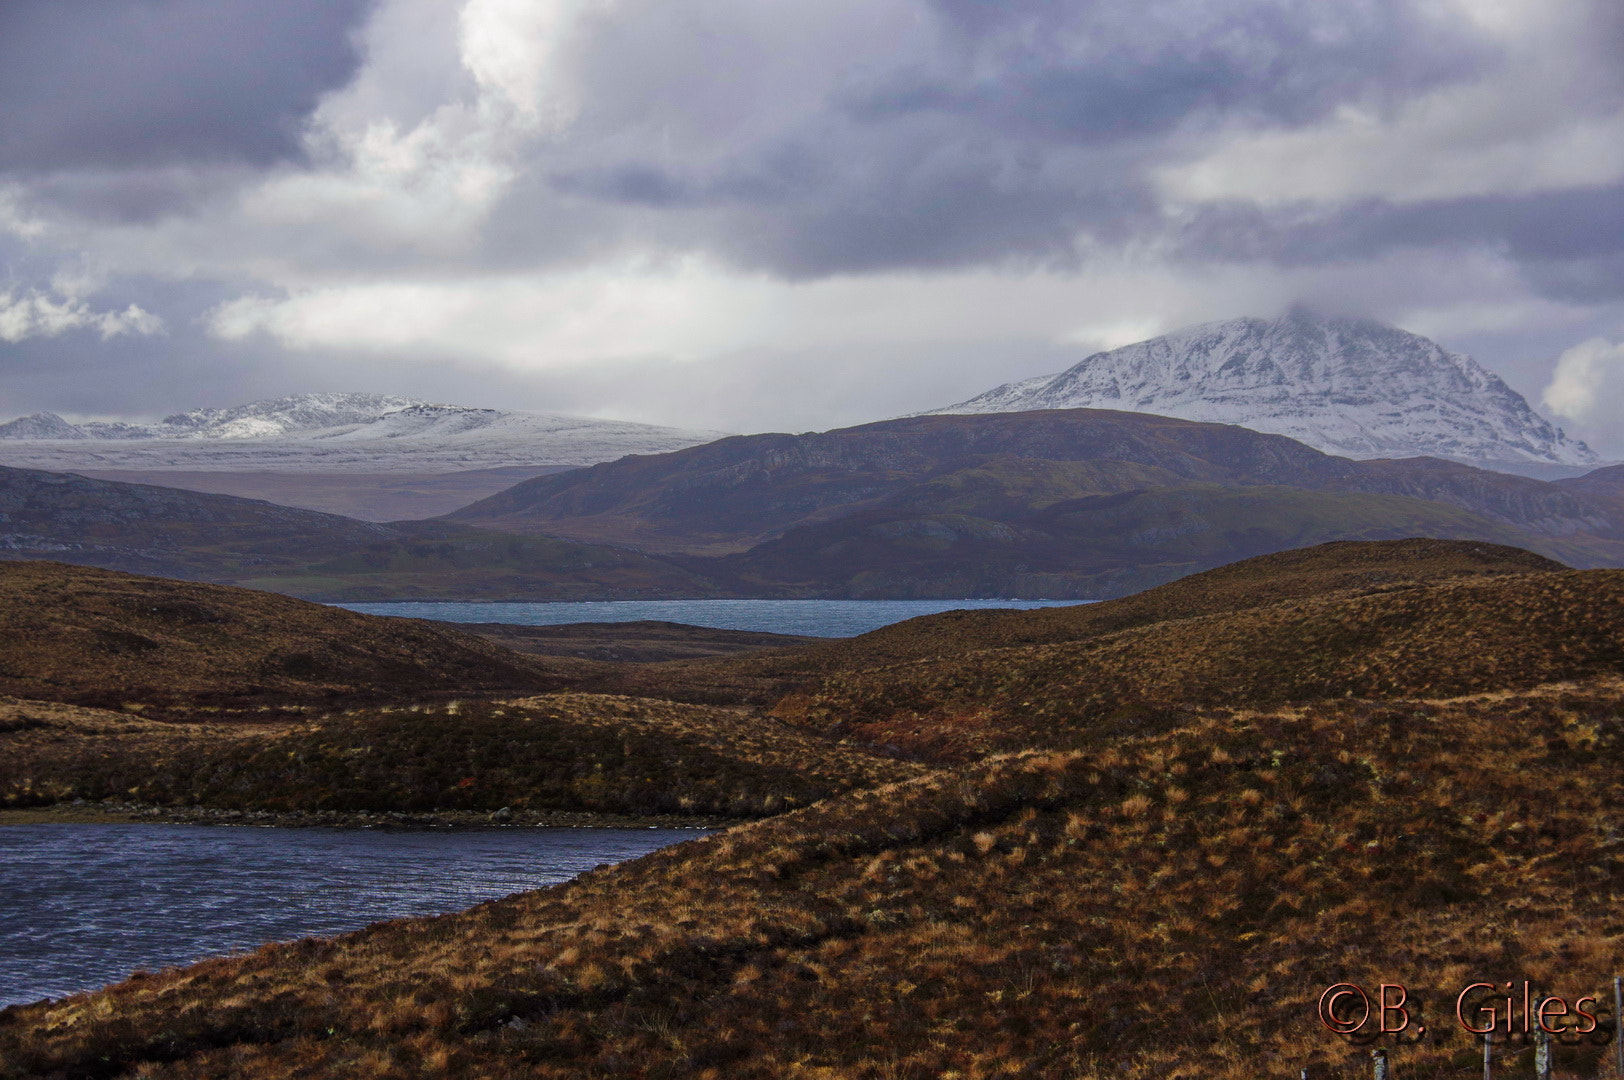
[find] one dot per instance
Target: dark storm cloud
(1117, 69)
(112, 84)
(896, 145)
(1569, 245)
(999, 136)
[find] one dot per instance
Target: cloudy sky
(758, 214)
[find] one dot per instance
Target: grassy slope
(561, 752)
(1161, 905)
(98, 636)
(1300, 574)
(641, 642)
(1351, 567)
(1453, 637)
(1165, 898)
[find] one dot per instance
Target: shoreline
(144, 814)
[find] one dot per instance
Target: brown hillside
(561, 752)
(642, 642)
(1450, 637)
(1343, 566)
(1353, 567)
(1161, 906)
(71, 633)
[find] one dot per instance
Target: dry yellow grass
(1162, 905)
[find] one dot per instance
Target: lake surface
(85, 905)
(817, 618)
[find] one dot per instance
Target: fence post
(1542, 1045)
(1488, 1055)
(1378, 1058)
(1618, 1024)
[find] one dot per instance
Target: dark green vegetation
(1138, 839)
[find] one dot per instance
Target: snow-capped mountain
(335, 433)
(1351, 387)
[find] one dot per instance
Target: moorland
(1131, 839)
(1069, 503)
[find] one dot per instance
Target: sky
(762, 215)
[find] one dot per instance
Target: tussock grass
(1160, 842)
(577, 752)
(100, 638)
(1447, 638)
(1164, 904)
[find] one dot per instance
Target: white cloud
(12, 218)
(694, 309)
(1521, 129)
(1445, 146)
(35, 314)
(1588, 383)
(426, 177)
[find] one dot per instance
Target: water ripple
(85, 905)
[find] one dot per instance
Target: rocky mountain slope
(335, 433)
(1350, 387)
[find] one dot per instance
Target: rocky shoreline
(93, 813)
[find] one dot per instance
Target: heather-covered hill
(1160, 905)
(72, 633)
(644, 641)
(1349, 568)
(1301, 573)
(577, 753)
(1443, 639)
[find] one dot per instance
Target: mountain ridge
(335, 433)
(1350, 387)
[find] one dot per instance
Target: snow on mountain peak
(281, 416)
(1352, 387)
(336, 433)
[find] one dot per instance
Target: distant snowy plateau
(1350, 387)
(337, 433)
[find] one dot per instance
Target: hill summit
(1351, 387)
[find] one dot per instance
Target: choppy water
(817, 618)
(85, 905)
